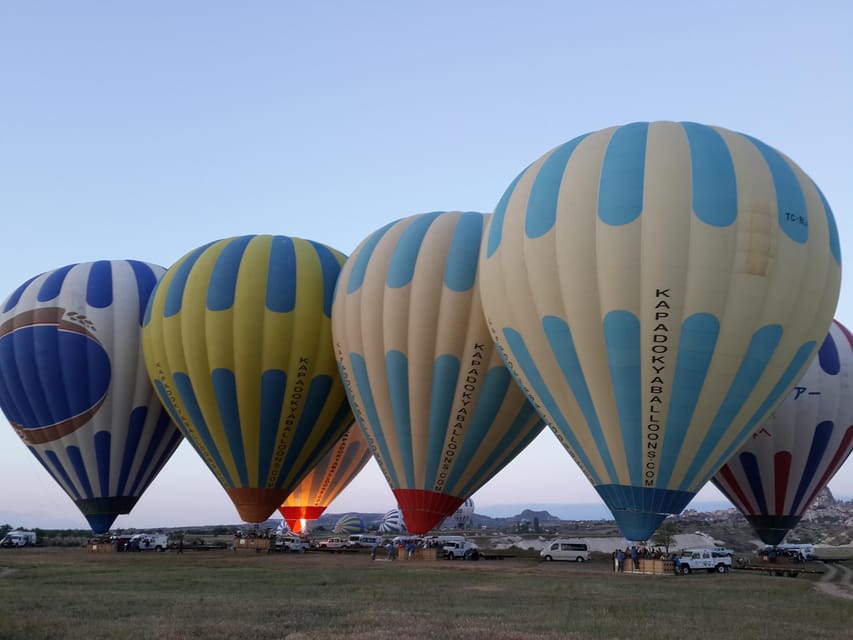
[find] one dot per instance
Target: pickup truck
(696, 559)
(333, 543)
(461, 549)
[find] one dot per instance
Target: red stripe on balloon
(730, 479)
(837, 460)
(781, 475)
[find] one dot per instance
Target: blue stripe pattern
(135, 427)
(792, 213)
(761, 348)
(698, 340)
(151, 462)
(445, 374)
(749, 463)
(225, 391)
(820, 442)
(99, 285)
(789, 376)
(622, 341)
(545, 193)
(368, 404)
(638, 511)
(273, 389)
(16, 295)
(52, 285)
(519, 350)
(401, 267)
(58, 471)
(460, 272)
(281, 276)
(562, 344)
(620, 195)
(713, 176)
(331, 269)
(497, 222)
(834, 242)
(79, 468)
(222, 286)
(184, 388)
(146, 280)
(359, 265)
(102, 461)
(175, 292)
(828, 358)
(397, 366)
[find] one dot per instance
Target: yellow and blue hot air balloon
(238, 342)
(74, 387)
(777, 474)
(331, 475)
(657, 288)
(439, 408)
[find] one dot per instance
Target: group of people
(633, 553)
(393, 551)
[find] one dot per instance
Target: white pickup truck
(708, 559)
(461, 549)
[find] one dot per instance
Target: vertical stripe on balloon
(620, 196)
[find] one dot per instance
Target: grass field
(56, 593)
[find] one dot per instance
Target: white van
(571, 549)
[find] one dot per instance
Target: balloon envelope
(392, 522)
(439, 408)
(657, 288)
(349, 524)
(327, 479)
(776, 475)
(74, 387)
(238, 342)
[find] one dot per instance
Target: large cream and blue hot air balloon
(657, 289)
(439, 408)
(74, 387)
(776, 475)
(331, 475)
(238, 342)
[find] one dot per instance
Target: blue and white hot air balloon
(74, 387)
(657, 289)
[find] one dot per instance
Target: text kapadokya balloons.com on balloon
(238, 342)
(74, 387)
(331, 475)
(777, 474)
(657, 288)
(439, 408)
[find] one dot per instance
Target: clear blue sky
(142, 130)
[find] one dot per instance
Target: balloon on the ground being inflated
(349, 524)
(777, 474)
(392, 522)
(238, 342)
(73, 383)
(657, 289)
(439, 408)
(331, 475)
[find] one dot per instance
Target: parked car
(333, 543)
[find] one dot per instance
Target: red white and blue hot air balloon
(777, 474)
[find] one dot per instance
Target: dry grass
(69, 594)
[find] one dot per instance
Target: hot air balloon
(776, 475)
(460, 518)
(349, 524)
(237, 340)
(392, 522)
(657, 288)
(439, 408)
(327, 479)
(74, 387)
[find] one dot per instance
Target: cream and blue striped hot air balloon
(331, 475)
(74, 387)
(777, 474)
(439, 408)
(657, 288)
(238, 342)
